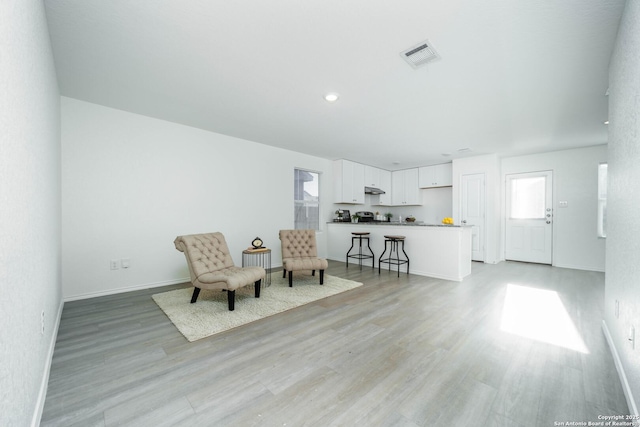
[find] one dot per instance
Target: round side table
(260, 258)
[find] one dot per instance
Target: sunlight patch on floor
(540, 315)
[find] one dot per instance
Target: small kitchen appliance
(365, 216)
(345, 215)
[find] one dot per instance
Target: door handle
(464, 221)
(548, 222)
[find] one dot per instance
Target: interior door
(473, 212)
(529, 223)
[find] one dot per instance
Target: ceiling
(512, 77)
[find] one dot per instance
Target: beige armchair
(299, 252)
(211, 266)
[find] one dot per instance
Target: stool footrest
(360, 255)
(393, 244)
(394, 261)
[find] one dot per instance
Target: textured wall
(623, 198)
(29, 209)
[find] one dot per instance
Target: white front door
(529, 223)
(472, 212)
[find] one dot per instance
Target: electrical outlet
(114, 264)
(632, 337)
(42, 323)
(125, 262)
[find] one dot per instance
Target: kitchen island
(441, 251)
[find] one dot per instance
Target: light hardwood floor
(408, 351)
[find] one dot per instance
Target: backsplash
(436, 204)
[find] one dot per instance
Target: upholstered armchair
(211, 266)
(299, 252)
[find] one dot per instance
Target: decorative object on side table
(258, 255)
(257, 243)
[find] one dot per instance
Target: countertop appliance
(365, 216)
(346, 215)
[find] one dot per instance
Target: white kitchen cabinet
(348, 182)
(385, 185)
(404, 187)
(436, 176)
(379, 178)
(371, 176)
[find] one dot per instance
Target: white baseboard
(135, 288)
(44, 384)
(633, 409)
(125, 289)
(579, 267)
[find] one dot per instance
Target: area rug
(210, 314)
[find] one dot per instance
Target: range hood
(372, 190)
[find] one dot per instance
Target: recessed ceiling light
(463, 150)
(331, 97)
(606, 122)
(446, 154)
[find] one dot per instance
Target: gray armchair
(299, 252)
(211, 266)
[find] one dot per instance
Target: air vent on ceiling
(420, 54)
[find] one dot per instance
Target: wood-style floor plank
(398, 351)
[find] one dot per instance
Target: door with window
(529, 217)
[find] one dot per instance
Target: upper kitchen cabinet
(405, 190)
(372, 177)
(348, 182)
(385, 185)
(436, 176)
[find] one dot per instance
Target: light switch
(563, 204)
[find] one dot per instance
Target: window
(602, 200)
(528, 198)
(306, 200)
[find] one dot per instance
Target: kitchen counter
(435, 250)
(411, 224)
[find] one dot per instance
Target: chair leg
(313, 272)
(284, 273)
(194, 297)
(231, 297)
(291, 279)
(257, 287)
(322, 277)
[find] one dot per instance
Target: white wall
(131, 184)
(575, 180)
(623, 201)
(29, 210)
